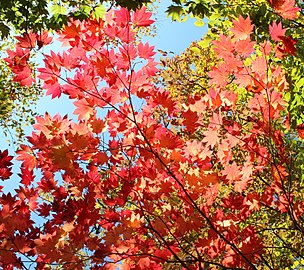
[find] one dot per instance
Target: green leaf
(86, 9)
(175, 12)
(4, 30)
(238, 11)
(57, 9)
(98, 12)
(287, 96)
(195, 50)
(300, 83)
(204, 43)
(199, 23)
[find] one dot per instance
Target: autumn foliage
(144, 179)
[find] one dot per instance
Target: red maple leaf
(5, 165)
(27, 176)
(122, 17)
(286, 8)
(145, 51)
(244, 47)
(18, 62)
(54, 89)
(28, 40)
(25, 154)
(70, 31)
(43, 39)
(24, 76)
(300, 129)
(288, 45)
(223, 46)
(142, 18)
(242, 28)
(144, 263)
(276, 31)
(219, 76)
(190, 120)
(232, 172)
(84, 108)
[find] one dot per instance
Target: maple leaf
(18, 62)
(144, 263)
(94, 175)
(288, 47)
(245, 47)
(232, 172)
(126, 35)
(276, 31)
(219, 75)
(190, 120)
(240, 185)
(53, 64)
(70, 31)
(300, 129)
(18, 58)
(5, 165)
(142, 17)
(62, 157)
(98, 125)
(242, 28)
(224, 46)
(150, 68)
(27, 41)
(25, 154)
(168, 141)
(54, 89)
(24, 76)
(196, 148)
(44, 209)
(101, 63)
(122, 16)
(253, 200)
(27, 176)
(276, 3)
(84, 108)
(164, 99)
(211, 137)
(145, 51)
(215, 98)
(286, 8)
(68, 227)
(43, 39)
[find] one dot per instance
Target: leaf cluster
(17, 104)
(205, 173)
(38, 15)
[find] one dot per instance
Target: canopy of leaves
(38, 15)
(145, 179)
(187, 73)
(262, 13)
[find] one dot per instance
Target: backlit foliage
(145, 179)
(17, 103)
